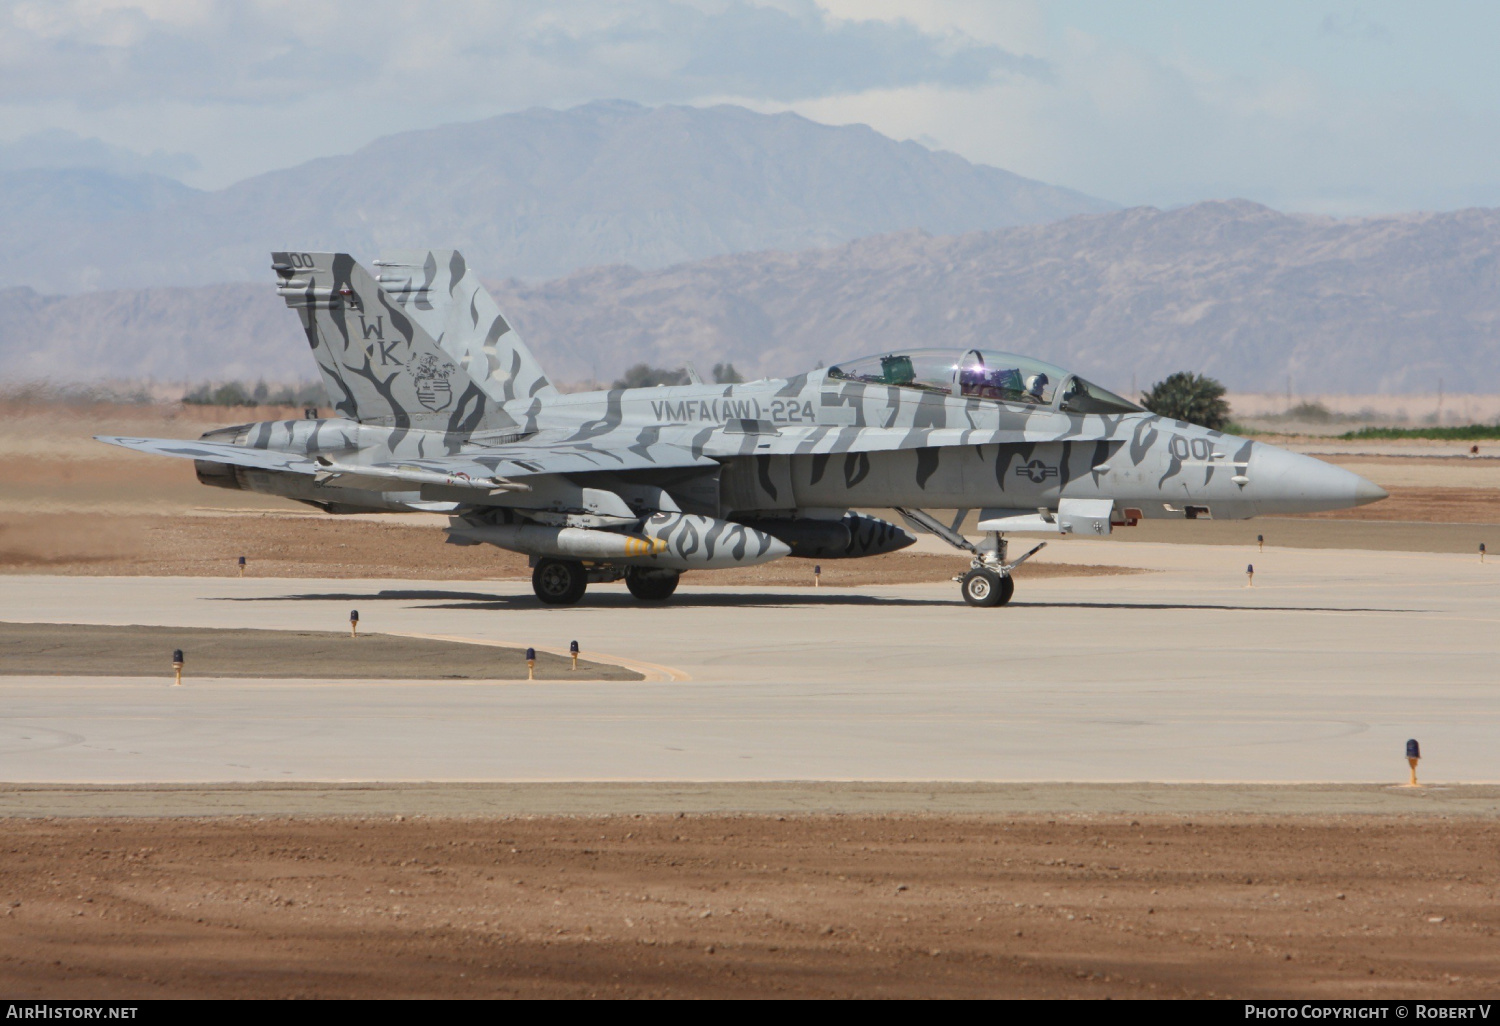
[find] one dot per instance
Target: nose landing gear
(982, 586)
(989, 581)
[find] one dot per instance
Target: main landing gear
(559, 582)
(562, 582)
(989, 581)
(650, 584)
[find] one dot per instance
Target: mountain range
(1257, 298)
(535, 194)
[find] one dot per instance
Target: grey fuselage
(811, 444)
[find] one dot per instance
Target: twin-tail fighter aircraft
(439, 407)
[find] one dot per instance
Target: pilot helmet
(1036, 384)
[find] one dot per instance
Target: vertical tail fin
(378, 364)
(439, 291)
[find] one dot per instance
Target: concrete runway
(1320, 672)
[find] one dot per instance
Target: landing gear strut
(988, 582)
(559, 582)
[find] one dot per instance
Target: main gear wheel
(559, 582)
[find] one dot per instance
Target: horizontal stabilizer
(217, 452)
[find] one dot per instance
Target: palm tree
(1195, 398)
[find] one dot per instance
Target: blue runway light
(1413, 750)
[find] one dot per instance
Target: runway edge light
(177, 667)
(1413, 754)
(531, 664)
(573, 651)
(242, 566)
(353, 622)
(1250, 575)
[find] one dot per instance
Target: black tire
(983, 587)
(1007, 589)
(651, 585)
(559, 582)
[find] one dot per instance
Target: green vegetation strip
(1466, 433)
(88, 650)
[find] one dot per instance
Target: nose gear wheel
(982, 586)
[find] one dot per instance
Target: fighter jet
(439, 407)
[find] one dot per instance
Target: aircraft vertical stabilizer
(378, 364)
(438, 290)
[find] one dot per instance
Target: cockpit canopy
(983, 374)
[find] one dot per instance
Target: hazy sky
(1335, 107)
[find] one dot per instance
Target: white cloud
(1144, 127)
(114, 53)
(253, 85)
(1354, 108)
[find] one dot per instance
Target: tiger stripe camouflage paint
(428, 378)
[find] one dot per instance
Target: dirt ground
(742, 906)
(70, 649)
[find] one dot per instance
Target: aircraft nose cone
(1288, 482)
(1366, 492)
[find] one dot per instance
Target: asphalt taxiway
(1319, 672)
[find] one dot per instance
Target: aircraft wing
(546, 456)
(492, 467)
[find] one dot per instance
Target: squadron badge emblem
(431, 378)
